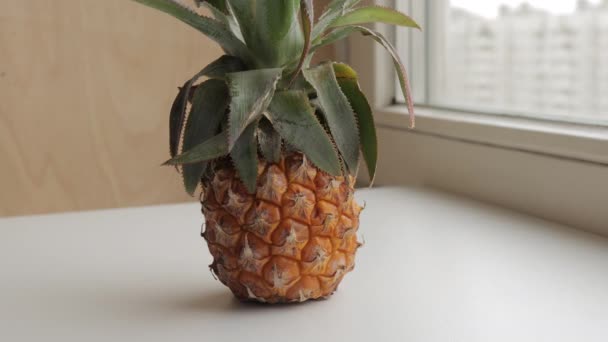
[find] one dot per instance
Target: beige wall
(85, 88)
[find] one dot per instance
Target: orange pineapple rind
(291, 241)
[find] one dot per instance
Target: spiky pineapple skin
(291, 241)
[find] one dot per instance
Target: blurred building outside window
(534, 58)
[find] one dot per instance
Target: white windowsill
(583, 143)
(554, 171)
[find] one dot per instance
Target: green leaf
(347, 78)
(292, 116)
(330, 38)
(208, 109)
(332, 12)
(401, 73)
(338, 112)
(218, 4)
(307, 11)
(177, 116)
(270, 141)
(245, 157)
(222, 14)
(343, 32)
(270, 28)
(250, 92)
(344, 71)
(216, 69)
(307, 18)
(333, 36)
(222, 66)
(375, 14)
(209, 27)
(301, 84)
(210, 149)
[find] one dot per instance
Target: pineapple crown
(263, 95)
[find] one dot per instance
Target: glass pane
(535, 58)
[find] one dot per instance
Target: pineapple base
(291, 241)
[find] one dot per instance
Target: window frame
(561, 146)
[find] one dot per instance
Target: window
(510, 110)
(533, 58)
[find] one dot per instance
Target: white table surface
(435, 267)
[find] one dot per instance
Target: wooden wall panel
(85, 88)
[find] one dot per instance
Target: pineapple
(275, 142)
